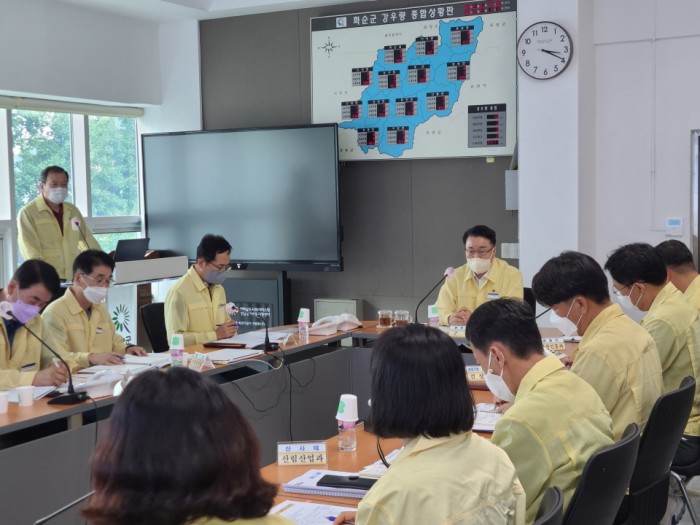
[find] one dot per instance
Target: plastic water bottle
(347, 421)
(433, 315)
(177, 348)
(304, 318)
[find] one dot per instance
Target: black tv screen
(272, 192)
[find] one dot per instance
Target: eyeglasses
(220, 267)
(619, 293)
(101, 281)
(480, 252)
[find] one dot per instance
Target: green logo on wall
(120, 318)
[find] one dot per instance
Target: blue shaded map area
(444, 53)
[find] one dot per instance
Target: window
(100, 154)
(39, 139)
(113, 169)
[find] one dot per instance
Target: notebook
(486, 417)
(306, 484)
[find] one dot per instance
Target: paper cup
(4, 398)
(25, 395)
(304, 315)
(347, 408)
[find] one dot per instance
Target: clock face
(544, 50)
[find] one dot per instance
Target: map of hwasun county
(432, 82)
(428, 87)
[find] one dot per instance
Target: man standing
(557, 420)
(639, 280)
(23, 360)
(53, 230)
(616, 356)
(681, 269)
(80, 324)
(196, 304)
(484, 277)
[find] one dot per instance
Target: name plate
(301, 453)
(553, 343)
(474, 373)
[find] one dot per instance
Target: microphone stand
(267, 346)
(415, 317)
(541, 314)
(71, 397)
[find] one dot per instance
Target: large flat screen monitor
(272, 192)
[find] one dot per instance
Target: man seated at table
(639, 280)
(79, 321)
(616, 355)
(23, 360)
(482, 278)
(556, 421)
(681, 269)
(196, 304)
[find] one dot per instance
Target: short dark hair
(87, 260)
(480, 231)
(636, 262)
(52, 169)
(177, 449)
(212, 245)
(568, 274)
(418, 385)
(507, 321)
(35, 271)
(675, 254)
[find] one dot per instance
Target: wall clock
(544, 50)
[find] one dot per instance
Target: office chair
(687, 472)
(648, 490)
(551, 508)
(603, 483)
(153, 317)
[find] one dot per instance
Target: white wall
(179, 65)
(605, 151)
(55, 50)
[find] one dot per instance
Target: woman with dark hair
(445, 473)
(178, 452)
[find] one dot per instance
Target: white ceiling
(173, 10)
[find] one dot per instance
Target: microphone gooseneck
(448, 273)
(71, 397)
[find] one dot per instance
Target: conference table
(45, 449)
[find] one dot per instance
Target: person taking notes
(445, 473)
(79, 321)
(556, 421)
(196, 304)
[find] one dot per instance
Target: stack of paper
(307, 513)
(307, 484)
(486, 417)
(377, 469)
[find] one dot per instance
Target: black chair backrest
(153, 317)
(551, 508)
(603, 483)
(648, 490)
(529, 298)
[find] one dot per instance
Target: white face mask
(565, 325)
(479, 266)
(95, 294)
(57, 195)
(497, 385)
(626, 301)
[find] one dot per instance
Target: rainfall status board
(421, 82)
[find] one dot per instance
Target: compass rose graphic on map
(328, 47)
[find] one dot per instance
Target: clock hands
(553, 53)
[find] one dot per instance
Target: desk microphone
(449, 272)
(75, 223)
(71, 397)
(267, 346)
